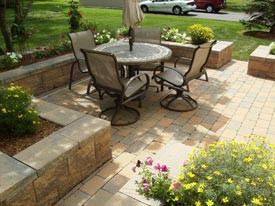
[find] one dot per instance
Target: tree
(261, 13)
(20, 14)
(4, 26)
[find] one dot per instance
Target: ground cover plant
(47, 20)
(218, 175)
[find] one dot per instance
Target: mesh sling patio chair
(152, 36)
(104, 70)
(81, 40)
(178, 80)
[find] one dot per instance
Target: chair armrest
(184, 59)
(137, 77)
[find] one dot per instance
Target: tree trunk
(272, 29)
(18, 17)
(4, 27)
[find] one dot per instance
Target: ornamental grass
(224, 174)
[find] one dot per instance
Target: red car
(210, 5)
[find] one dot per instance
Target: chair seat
(134, 87)
(171, 77)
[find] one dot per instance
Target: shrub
(124, 31)
(10, 60)
(17, 115)
(173, 34)
(223, 174)
(103, 36)
(74, 15)
(200, 34)
(272, 49)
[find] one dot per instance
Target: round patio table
(142, 53)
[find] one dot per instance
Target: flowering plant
(74, 15)
(10, 60)
(272, 49)
(200, 34)
(17, 114)
(122, 32)
(173, 34)
(102, 37)
(233, 174)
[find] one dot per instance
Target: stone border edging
(44, 172)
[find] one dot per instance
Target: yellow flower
(200, 189)
(33, 122)
(225, 200)
(239, 192)
(204, 166)
(229, 180)
(192, 166)
(177, 198)
(247, 179)
(4, 110)
(209, 203)
(264, 166)
(256, 201)
(198, 203)
(209, 177)
(247, 159)
(217, 173)
(16, 96)
(233, 155)
(190, 174)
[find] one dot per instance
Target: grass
(235, 5)
(48, 20)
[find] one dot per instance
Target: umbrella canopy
(132, 13)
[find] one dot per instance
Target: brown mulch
(260, 34)
(12, 145)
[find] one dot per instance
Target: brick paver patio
(232, 104)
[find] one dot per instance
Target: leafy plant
(10, 60)
(173, 34)
(123, 31)
(103, 36)
(74, 15)
(272, 49)
(200, 34)
(17, 114)
(226, 173)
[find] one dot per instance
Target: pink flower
(164, 168)
(157, 166)
(175, 185)
(146, 187)
(186, 163)
(149, 161)
(145, 180)
(138, 163)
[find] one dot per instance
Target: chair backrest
(147, 35)
(200, 57)
(82, 40)
(103, 68)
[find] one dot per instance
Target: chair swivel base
(187, 103)
(116, 121)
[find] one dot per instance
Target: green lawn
(48, 20)
(235, 5)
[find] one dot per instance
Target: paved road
(222, 15)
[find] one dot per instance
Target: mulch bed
(12, 145)
(260, 34)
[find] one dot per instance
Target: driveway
(223, 15)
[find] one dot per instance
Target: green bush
(10, 60)
(272, 49)
(17, 115)
(200, 34)
(123, 32)
(103, 36)
(10, 4)
(173, 34)
(224, 174)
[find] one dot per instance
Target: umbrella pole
(131, 38)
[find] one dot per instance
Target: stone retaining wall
(220, 55)
(44, 172)
(43, 76)
(261, 63)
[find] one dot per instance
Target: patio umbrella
(132, 15)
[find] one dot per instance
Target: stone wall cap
(260, 53)
(13, 175)
(40, 154)
(25, 71)
(84, 128)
